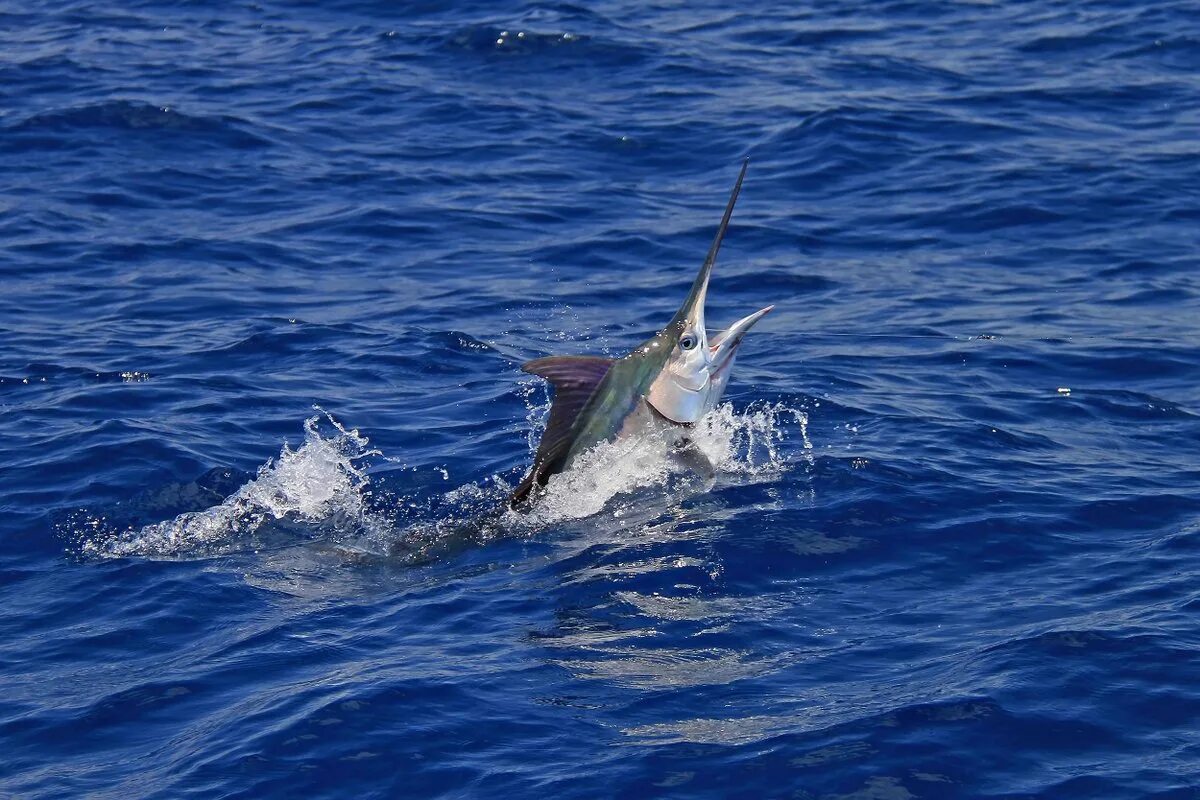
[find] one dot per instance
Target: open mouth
(727, 341)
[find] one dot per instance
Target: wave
(134, 115)
(491, 40)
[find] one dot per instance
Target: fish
(670, 381)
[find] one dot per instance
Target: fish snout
(724, 343)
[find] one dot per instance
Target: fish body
(672, 379)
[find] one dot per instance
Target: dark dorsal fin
(574, 379)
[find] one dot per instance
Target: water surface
(268, 273)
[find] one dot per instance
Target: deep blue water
(952, 546)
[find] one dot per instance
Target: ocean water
(267, 275)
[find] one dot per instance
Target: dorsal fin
(574, 379)
(570, 370)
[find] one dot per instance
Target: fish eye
(687, 342)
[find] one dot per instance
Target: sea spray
(731, 445)
(322, 491)
(320, 487)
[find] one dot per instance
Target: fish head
(696, 364)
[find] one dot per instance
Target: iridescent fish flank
(674, 378)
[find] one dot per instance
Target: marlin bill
(673, 379)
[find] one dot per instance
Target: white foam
(745, 444)
(321, 490)
(320, 484)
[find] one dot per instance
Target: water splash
(321, 491)
(318, 488)
(726, 445)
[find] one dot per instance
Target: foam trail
(320, 485)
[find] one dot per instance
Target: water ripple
(949, 542)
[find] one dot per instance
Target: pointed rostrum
(695, 298)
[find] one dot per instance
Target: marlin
(673, 379)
